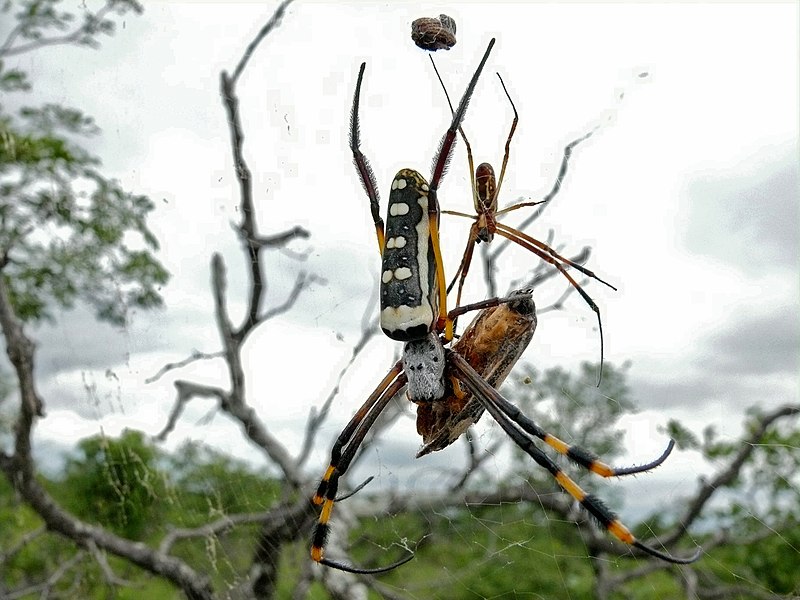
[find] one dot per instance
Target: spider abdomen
(408, 292)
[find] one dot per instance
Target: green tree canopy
(67, 232)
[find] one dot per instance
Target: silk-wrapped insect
(434, 34)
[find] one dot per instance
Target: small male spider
(485, 194)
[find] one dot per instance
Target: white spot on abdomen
(398, 209)
(399, 184)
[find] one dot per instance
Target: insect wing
(492, 344)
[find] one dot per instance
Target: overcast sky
(687, 194)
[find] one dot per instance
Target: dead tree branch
(20, 471)
(731, 472)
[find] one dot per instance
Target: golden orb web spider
(480, 360)
(485, 194)
(413, 300)
(413, 310)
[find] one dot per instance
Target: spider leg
(466, 260)
(489, 397)
(441, 160)
(478, 205)
(581, 457)
(508, 141)
(363, 167)
(442, 157)
(490, 302)
(511, 234)
(508, 209)
(547, 254)
(342, 454)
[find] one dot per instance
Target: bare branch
(731, 472)
(23, 541)
(255, 430)
(108, 572)
(220, 526)
(43, 589)
(286, 523)
(195, 356)
(274, 21)
(281, 239)
(302, 282)
(186, 391)
(20, 472)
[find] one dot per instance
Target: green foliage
(39, 22)
(139, 492)
(67, 233)
(116, 483)
(470, 553)
(210, 483)
(573, 407)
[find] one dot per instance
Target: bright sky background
(687, 194)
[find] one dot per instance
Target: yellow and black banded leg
(489, 397)
(347, 433)
(342, 454)
(580, 456)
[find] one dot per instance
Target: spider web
(508, 532)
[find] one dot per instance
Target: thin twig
(274, 21)
(195, 356)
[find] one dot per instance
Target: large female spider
(413, 310)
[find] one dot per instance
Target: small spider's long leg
(363, 167)
(508, 209)
(466, 261)
(547, 254)
(342, 454)
(442, 158)
(556, 188)
(508, 141)
(476, 202)
(511, 233)
(488, 396)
